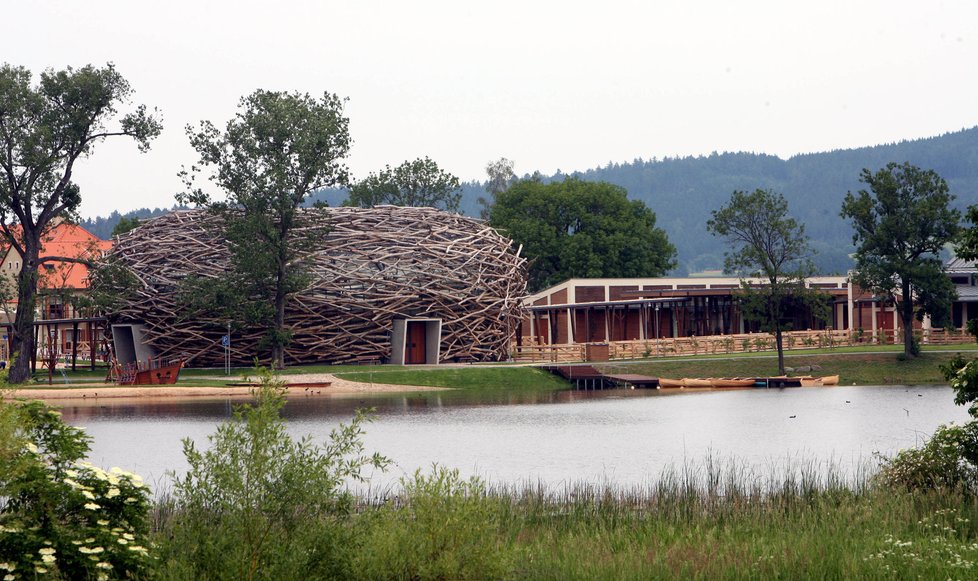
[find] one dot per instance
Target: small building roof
(69, 241)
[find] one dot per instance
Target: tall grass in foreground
(709, 520)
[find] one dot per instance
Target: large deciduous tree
(768, 244)
(278, 149)
(44, 130)
(900, 226)
(413, 183)
(576, 228)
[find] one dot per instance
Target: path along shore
(102, 390)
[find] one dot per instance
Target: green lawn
(864, 365)
(853, 368)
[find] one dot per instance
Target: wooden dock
(588, 377)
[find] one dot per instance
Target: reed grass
(713, 519)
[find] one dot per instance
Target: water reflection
(627, 436)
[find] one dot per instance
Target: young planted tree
(900, 227)
(770, 245)
(413, 183)
(44, 130)
(277, 150)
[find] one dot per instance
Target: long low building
(629, 309)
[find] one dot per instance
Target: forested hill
(683, 191)
(102, 226)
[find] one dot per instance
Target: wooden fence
(725, 344)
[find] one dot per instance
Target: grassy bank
(853, 368)
(443, 527)
(672, 533)
(857, 365)
(475, 377)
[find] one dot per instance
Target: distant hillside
(683, 191)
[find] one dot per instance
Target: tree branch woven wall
(374, 266)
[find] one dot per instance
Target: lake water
(624, 437)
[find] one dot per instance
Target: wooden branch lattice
(373, 266)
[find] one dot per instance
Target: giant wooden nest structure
(372, 267)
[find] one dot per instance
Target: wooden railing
(742, 343)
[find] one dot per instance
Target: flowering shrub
(943, 461)
(61, 516)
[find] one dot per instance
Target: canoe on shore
(732, 381)
(707, 382)
(810, 381)
(780, 381)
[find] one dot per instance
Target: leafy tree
(277, 150)
(44, 130)
(575, 228)
(501, 177)
(413, 183)
(900, 229)
(768, 244)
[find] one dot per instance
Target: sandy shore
(101, 390)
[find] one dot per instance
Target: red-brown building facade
(629, 309)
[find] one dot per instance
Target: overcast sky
(551, 85)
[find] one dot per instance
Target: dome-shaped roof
(367, 268)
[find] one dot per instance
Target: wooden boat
(830, 380)
(696, 382)
(666, 382)
(157, 371)
(732, 381)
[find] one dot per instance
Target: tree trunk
(780, 346)
(775, 320)
(278, 334)
(22, 342)
(906, 317)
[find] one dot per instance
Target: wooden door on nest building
(416, 339)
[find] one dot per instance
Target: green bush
(946, 460)
(61, 517)
(448, 528)
(259, 504)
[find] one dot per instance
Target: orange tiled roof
(72, 241)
